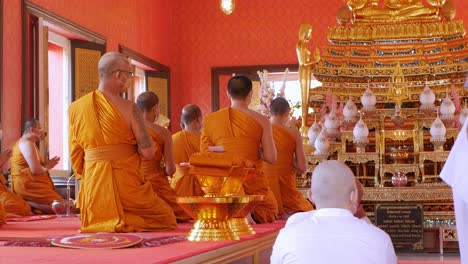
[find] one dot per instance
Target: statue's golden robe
(37, 188)
(13, 204)
(155, 174)
(281, 175)
(114, 196)
(185, 144)
(241, 135)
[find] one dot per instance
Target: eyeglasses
(130, 74)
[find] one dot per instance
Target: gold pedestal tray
(239, 223)
(212, 216)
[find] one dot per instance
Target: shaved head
(111, 62)
(333, 185)
(190, 113)
(146, 101)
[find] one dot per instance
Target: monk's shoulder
(78, 104)
(215, 116)
(159, 130)
(176, 135)
(293, 132)
(261, 119)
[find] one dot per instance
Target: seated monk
(107, 136)
(148, 102)
(12, 203)
(281, 174)
(247, 135)
(187, 142)
(29, 173)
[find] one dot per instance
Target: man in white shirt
(331, 234)
(454, 174)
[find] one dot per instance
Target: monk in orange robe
(247, 135)
(12, 203)
(187, 142)
(107, 136)
(29, 173)
(148, 102)
(281, 174)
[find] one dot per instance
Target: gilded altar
(407, 62)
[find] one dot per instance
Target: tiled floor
(429, 256)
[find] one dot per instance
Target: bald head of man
(191, 118)
(333, 186)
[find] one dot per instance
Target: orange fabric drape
(114, 196)
(240, 135)
(12, 203)
(155, 174)
(185, 144)
(281, 175)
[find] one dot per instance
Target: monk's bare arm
(169, 153)
(268, 144)
(145, 145)
(29, 154)
(300, 158)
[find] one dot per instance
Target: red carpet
(165, 253)
(64, 226)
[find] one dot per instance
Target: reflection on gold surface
(239, 223)
(212, 216)
(394, 10)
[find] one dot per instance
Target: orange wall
(257, 32)
(11, 67)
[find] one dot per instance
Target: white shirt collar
(332, 212)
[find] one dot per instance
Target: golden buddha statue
(306, 64)
(368, 11)
(399, 90)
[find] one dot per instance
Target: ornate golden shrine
(395, 48)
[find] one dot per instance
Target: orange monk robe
(37, 188)
(281, 174)
(155, 174)
(12, 203)
(241, 135)
(2, 215)
(185, 144)
(114, 196)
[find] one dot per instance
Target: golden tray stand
(220, 213)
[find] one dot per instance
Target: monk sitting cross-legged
(247, 135)
(148, 102)
(186, 143)
(29, 174)
(281, 174)
(107, 136)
